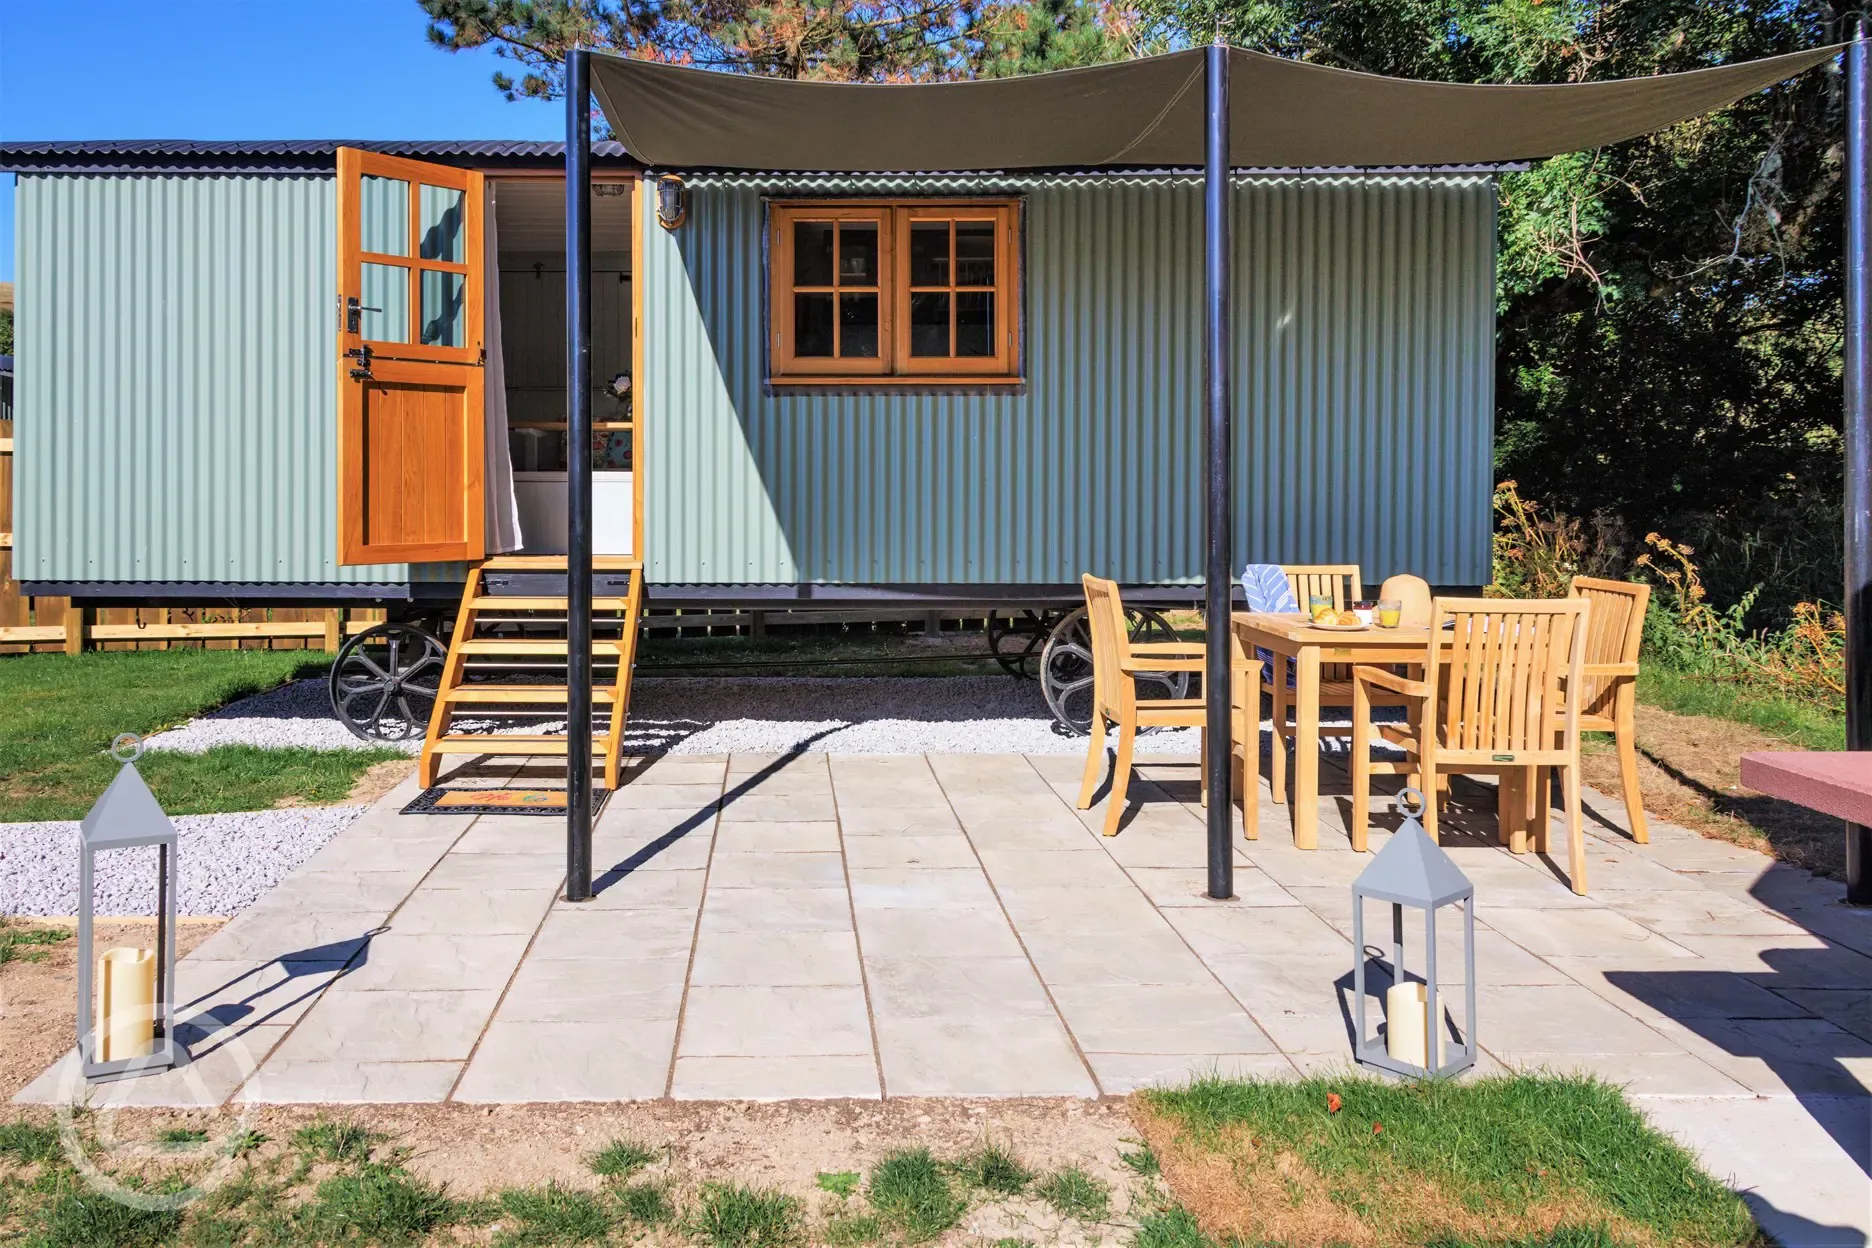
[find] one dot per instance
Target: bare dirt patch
(39, 992)
(379, 780)
(480, 1151)
(1690, 772)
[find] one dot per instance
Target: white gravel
(714, 715)
(227, 862)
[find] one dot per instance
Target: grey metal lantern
(127, 817)
(1413, 871)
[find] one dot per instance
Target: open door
(411, 461)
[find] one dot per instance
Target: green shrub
(729, 1215)
(911, 1192)
(1075, 1194)
(337, 1141)
(992, 1168)
(1174, 1227)
(376, 1205)
(621, 1158)
(646, 1204)
(27, 1142)
(82, 1218)
(553, 1215)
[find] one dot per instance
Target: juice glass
(1390, 612)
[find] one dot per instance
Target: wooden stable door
(411, 459)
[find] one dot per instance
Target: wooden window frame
(352, 255)
(894, 366)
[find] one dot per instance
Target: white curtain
(503, 508)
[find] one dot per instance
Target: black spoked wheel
(383, 682)
(1017, 641)
(1066, 667)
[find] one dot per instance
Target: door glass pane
(929, 323)
(385, 298)
(441, 223)
(812, 255)
(443, 300)
(974, 322)
(858, 326)
(929, 255)
(383, 216)
(812, 325)
(975, 249)
(858, 252)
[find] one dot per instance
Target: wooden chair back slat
(1110, 643)
(1614, 634)
(1503, 677)
(1341, 580)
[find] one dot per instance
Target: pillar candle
(126, 1004)
(1407, 1024)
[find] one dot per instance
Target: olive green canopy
(1144, 113)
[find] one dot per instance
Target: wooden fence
(29, 625)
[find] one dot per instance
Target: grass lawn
(1801, 725)
(61, 713)
(1520, 1160)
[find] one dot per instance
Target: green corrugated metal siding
(1364, 377)
(176, 370)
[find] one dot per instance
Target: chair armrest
(1609, 669)
(1141, 665)
(1169, 649)
(1386, 679)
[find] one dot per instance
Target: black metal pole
(1858, 428)
(578, 479)
(1218, 571)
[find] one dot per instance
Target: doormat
(498, 802)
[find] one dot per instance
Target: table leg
(1277, 771)
(1306, 749)
(1245, 750)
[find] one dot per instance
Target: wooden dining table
(1295, 637)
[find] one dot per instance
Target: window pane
(385, 300)
(858, 253)
(929, 255)
(812, 256)
(929, 324)
(975, 329)
(383, 216)
(444, 296)
(975, 254)
(441, 223)
(812, 325)
(858, 326)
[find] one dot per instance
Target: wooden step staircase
(507, 659)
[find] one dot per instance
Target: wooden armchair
(1116, 662)
(1608, 697)
(1493, 702)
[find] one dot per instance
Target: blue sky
(241, 69)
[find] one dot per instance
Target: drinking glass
(1318, 602)
(1390, 611)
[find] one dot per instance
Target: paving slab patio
(829, 926)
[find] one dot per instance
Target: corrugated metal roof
(280, 155)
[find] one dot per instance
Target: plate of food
(1340, 622)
